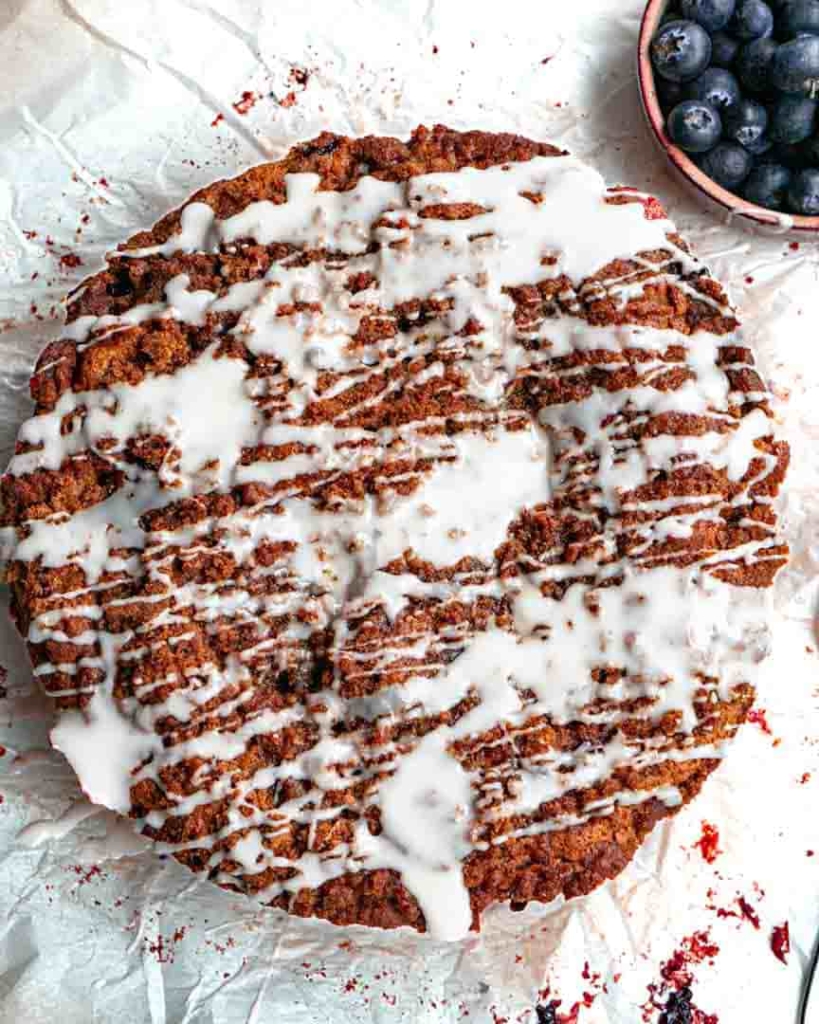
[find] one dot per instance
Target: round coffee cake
(395, 528)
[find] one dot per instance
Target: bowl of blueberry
(731, 91)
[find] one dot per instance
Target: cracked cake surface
(395, 528)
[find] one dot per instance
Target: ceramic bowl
(708, 191)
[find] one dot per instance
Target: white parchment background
(106, 111)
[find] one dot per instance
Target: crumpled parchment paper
(112, 112)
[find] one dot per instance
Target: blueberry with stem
(715, 86)
(746, 124)
(681, 51)
(694, 126)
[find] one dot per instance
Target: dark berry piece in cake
(752, 19)
(546, 1014)
(728, 164)
(795, 66)
(803, 192)
(717, 87)
(724, 50)
(695, 126)
(797, 18)
(711, 14)
(681, 51)
(746, 124)
(792, 119)
(767, 185)
(753, 64)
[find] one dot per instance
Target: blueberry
(792, 119)
(754, 64)
(680, 51)
(803, 193)
(724, 49)
(798, 17)
(752, 19)
(695, 126)
(746, 124)
(546, 1014)
(669, 93)
(717, 87)
(678, 1008)
(767, 185)
(795, 66)
(728, 164)
(711, 14)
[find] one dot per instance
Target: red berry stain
(708, 842)
(70, 260)
(748, 911)
(217, 120)
(350, 985)
(301, 76)
(104, 182)
(434, 49)
(159, 950)
(246, 103)
(781, 942)
(758, 717)
(805, 778)
(794, 246)
(810, 853)
(84, 875)
(744, 911)
(288, 101)
(162, 948)
(749, 280)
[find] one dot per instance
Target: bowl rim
(651, 104)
